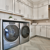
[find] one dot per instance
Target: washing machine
(10, 34)
(24, 32)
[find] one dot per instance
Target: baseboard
(40, 37)
(32, 37)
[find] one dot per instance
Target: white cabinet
(2, 4)
(43, 31)
(16, 7)
(48, 31)
(43, 12)
(38, 29)
(45, 2)
(33, 31)
(26, 11)
(49, 2)
(35, 13)
(30, 12)
(21, 8)
(9, 5)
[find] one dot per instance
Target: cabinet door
(33, 31)
(2, 4)
(45, 11)
(26, 11)
(16, 7)
(38, 29)
(48, 31)
(9, 5)
(35, 11)
(43, 31)
(41, 13)
(21, 8)
(49, 2)
(46, 2)
(30, 12)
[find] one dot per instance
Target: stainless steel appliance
(10, 34)
(24, 32)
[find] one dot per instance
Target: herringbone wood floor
(36, 43)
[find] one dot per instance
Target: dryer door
(11, 33)
(25, 31)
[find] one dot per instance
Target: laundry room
(24, 24)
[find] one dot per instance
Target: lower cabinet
(48, 31)
(38, 30)
(43, 31)
(33, 31)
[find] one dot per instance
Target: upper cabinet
(49, 2)
(16, 6)
(9, 5)
(40, 11)
(2, 4)
(21, 8)
(43, 12)
(28, 12)
(35, 13)
(6, 5)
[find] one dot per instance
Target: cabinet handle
(19, 11)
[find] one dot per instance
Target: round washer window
(11, 33)
(25, 31)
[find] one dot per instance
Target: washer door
(11, 33)
(25, 31)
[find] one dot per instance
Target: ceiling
(37, 1)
